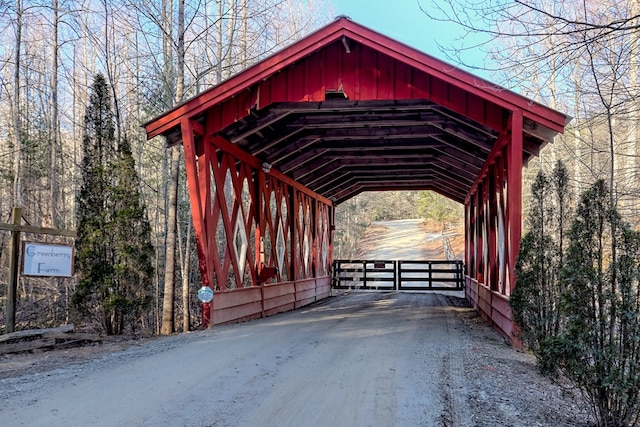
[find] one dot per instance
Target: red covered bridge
(271, 151)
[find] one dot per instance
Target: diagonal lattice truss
(247, 219)
(490, 218)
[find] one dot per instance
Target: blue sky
(404, 21)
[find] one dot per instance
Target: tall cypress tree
(132, 248)
(599, 349)
(93, 267)
(535, 301)
(113, 248)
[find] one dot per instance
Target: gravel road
(356, 359)
(402, 239)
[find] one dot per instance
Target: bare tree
(17, 113)
(55, 128)
(578, 56)
(172, 214)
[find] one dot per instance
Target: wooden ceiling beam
(457, 173)
(350, 181)
(301, 160)
(432, 185)
(456, 163)
(453, 195)
(479, 127)
(300, 146)
(400, 144)
(473, 156)
(258, 125)
(363, 119)
(363, 178)
(322, 168)
(266, 143)
(323, 156)
(476, 139)
(292, 139)
(346, 193)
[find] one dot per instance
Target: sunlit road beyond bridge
(398, 260)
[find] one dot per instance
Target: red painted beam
(197, 204)
(254, 162)
(496, 151)
(514, 195)
(492, 279)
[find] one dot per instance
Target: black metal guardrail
(428, 275)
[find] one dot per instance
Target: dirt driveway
(358, 359)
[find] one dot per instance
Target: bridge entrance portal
(271, 151)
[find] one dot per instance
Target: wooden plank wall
(493, 307)
(243, 304)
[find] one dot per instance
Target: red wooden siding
(363, 74)
(252, 303)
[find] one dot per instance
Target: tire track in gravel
(406, 240)
(458, 412)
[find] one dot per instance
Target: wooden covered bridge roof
(347, 110)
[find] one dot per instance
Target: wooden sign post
(16, 228)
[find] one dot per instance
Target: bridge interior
(339, 147)
(368, 145)
(271, 151)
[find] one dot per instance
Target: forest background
(578, 57)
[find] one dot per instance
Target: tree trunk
(630, 176)
(172, 212)
(170, 259)
(17, 183)
(244, 42)
(231, 28)
(53, 176)
(186, 279)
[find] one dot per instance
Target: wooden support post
(492, 217)
(469, 237)
(514, 195)
(260, 186)
(197, 169)
(316, 238)
(294, 231)
(12, 289)
(479, 272)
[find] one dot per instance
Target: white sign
(41, 259)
